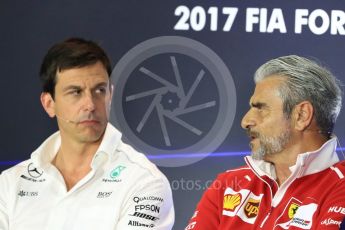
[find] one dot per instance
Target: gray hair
(305, 80)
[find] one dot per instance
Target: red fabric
(241, 199)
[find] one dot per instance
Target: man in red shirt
(293, 179)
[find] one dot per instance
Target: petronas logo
(117, 171)
(230, 202)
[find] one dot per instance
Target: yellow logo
(252, 208)
(230, 202)
(292, 210)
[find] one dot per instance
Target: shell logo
(230, 201)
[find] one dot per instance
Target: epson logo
(152, 208)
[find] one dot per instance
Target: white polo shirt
(124, 190)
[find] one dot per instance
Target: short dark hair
(71, 53)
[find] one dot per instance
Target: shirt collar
(45, 153)
(318, 160)
(308, 162)
(108, 146)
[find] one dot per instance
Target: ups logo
(252, 208)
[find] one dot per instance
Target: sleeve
(3, 209)
(150, 206)
(332, 212)
(206, 215)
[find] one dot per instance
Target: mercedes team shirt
(313, 197)
(124, 190)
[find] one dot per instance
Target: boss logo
(104, 194)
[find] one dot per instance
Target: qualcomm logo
(173, 95)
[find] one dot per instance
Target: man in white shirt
(83, 176)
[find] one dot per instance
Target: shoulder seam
(230, 170)
(148, 166)
(338, 172)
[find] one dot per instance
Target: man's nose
(88, 102)
(247, 120)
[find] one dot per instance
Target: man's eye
(101, 90)
(75, 92)
(256, 107)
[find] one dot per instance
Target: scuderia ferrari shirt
(123, 191)
(313, 197)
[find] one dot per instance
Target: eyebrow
(101, 84)
(259, 105)
(76, 87)
(71, 87)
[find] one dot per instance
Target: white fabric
(306, 164)
(124, 190)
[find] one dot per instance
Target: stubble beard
(271, 145)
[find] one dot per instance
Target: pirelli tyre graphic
(173, 96)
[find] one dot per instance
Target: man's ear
(302, 115)
(48, 104)
(111, 94)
